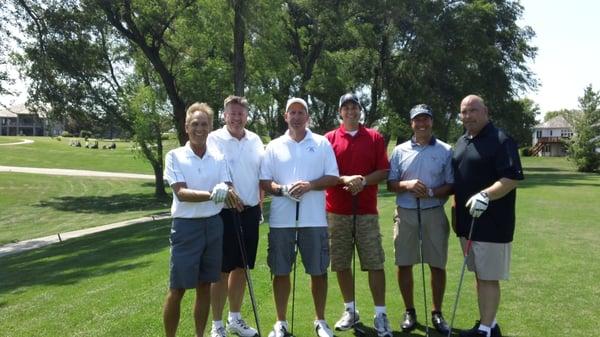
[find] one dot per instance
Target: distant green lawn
(113, 283)
(34, 205)
(51, 153)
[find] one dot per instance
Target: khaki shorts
(312, 245)
(489, 260)
(435, 237)
(368, 241)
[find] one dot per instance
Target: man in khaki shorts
(421, 175)
(486, 170)
(362, 160)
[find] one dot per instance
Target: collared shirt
(243, 158)
(361, 154)
(286, 162)
(430, 163)
(479, 162)
(182, 165)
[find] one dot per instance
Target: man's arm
(183, 193)
(500, 188)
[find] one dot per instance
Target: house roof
(558, 122)
(19, 109)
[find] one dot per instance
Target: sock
(494, 323)
(234, 316)
(485, 329)
(349, 306)
(380, 310)
(217, 324)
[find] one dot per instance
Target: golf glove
(285, 191)
(478, 203)
(219, 193)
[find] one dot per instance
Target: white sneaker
(280, 329)
(322, 329)
(218, 332)
(240, 328)
(382, 325)
(347, 321)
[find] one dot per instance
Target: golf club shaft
(243, 253)
(462, 275)
(422, 264)
(295, 259)
(357, 329)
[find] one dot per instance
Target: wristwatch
(430, 192)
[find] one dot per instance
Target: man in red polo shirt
(362, 160)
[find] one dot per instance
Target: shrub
(525, 151)
(66, 134)
(85, 134)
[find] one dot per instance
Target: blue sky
(568, 41)
(568, 59)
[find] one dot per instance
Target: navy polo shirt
(478, 162)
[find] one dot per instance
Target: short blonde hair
(199, 107)
(240, 100)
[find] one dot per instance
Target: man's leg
(405, 282)
(218, 296)
(172, 311)
(201, 307)
(344, 278)
(377, 285)
(318, 287)
(237, 286)
(488, 298)
(281, 293)
(438, 287)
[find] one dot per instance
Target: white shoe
(218, 332)
(382, 325)
(322, 329)
(240, 328)
(347, 321)
(280, 329)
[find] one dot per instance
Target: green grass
(38, 205)
(113, 283)
(50, 153)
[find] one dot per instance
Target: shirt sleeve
(172, 172)
(448, 170)
(395, 173)
(507, 161)
(266, 165)
(331, 167)
(382, 158)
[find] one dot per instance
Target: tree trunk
(239, 38)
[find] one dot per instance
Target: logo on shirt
(311, 149)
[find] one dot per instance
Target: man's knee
(175, 295)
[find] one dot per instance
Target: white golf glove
(219, 193)
(285, 191)
(478, 203)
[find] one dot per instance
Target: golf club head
(359, 331)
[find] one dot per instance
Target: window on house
(566, 133)
(538, 134)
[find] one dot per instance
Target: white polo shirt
(287, 161)
(182, 165)
(243, 158)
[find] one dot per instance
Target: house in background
(19, 121)
(549, 138)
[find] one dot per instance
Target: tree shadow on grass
(569, 179)
(108, 204)
(90, 256)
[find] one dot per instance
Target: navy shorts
(250, 219)
(196, 251)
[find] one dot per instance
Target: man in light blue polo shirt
(421, 172)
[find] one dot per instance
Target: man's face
(473, 114)
(350, 113)
(422, 125)
(236, 117)
(296, 117)
(197, 127)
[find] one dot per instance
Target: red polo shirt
(362, 154)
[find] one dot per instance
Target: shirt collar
(432, 141)
(489, 127)
(361, 129)
(307, 137)
(190, 153)
(224, 134)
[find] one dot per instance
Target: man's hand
(416, 187)
(286, 191)
(219, 193)
(233, 200)
(353, 184)
(478, 203)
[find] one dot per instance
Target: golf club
(358, 331)
(462, 274)
(240, 235)
(422, 264)
(295, 259)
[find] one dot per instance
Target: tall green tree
(582, 147)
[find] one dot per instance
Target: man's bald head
(473, 114)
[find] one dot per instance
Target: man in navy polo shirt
(486, 170)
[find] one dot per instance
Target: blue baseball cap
(420, 109)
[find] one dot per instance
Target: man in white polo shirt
(243, 151)
(296, 168)
(197, 175)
